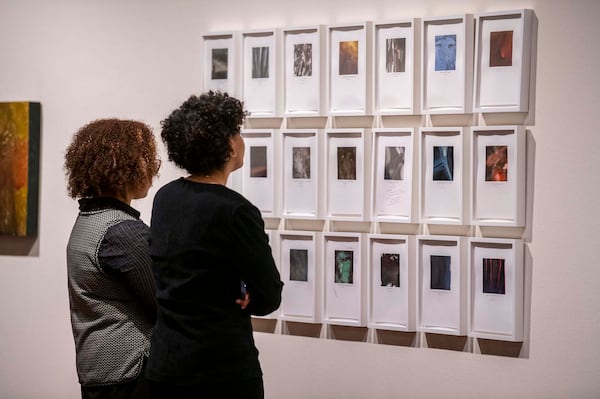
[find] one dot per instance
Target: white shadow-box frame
(392, 288)
(503, 45)
(345, 165)
(349, 69)
(272, 235)
(395, 59)
(302, 173)
(302, 274)
(392, 167)
(447, 65)
(220, 71)
(259, 173)
(443, 176)
(345, 277)
(261, 72)
(305, 61)
(442, 281)
(496, 289)
(498, 162)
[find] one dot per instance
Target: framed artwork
(442, 285)
(344, 276)
(392, 282)
(447, 65)
(261, 86)
(345, 174)
(392, 175)
(20, 128)
(498, 163)
(258, 172)
(503, 61)
(349, 85)
(302, 275)
(305, 56)
(220, 67)
(301, 174)
(441, 185)
(394, 69)
(496, 289)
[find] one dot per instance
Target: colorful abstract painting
(443, 163)
(344, 267)
(493, 276)
(501, 48)
(348, 58)
(445, 53)
(19, 168)
(496, 163)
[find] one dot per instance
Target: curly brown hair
(108, 157)
(197, 133)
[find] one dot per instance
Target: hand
(243, 302)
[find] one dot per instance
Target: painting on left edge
(19, 168)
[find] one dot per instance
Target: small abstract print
(443, 163)
(440, 272)
(390, 270)
(298, 265)
(395, 50)
(301, 162)
(19, 168)
(344, 265)
(496, 163)
(303, 59)
(219, 63)
(501, 46)
(260, 62)
(258, 161)
(394, 163)
(348, 58)
(346, 161)
(445, 53)
(493, 276)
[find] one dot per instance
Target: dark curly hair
(197, 133)
(107, 157)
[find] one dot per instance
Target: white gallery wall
(84, 60)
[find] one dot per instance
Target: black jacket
(205, 241)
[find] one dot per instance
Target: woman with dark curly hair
(209, 246)
(111, 288)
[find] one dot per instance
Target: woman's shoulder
(183, 191)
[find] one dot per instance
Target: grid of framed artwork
(439, 284)
(447, 176)
(389, 175)
(435, 65)
(384, 225)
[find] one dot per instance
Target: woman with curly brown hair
(111, 288)
(208, 245)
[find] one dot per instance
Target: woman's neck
(217, 177)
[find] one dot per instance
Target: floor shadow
(499, 348)
(302, 329)
(398, 338)
(346, 333)
(448, 342)
(19, 246)
(264, 325)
